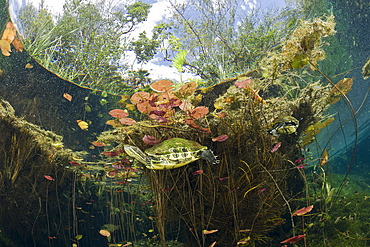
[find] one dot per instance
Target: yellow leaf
(78, 237)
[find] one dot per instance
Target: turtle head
(208, 155)
(137, 154)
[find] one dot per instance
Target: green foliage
(86, 43)
(224, 42)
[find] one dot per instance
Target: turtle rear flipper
(208, 155)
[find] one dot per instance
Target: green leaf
(179, 60)
(78, 237)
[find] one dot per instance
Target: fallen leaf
(48, 177)
(5, 47)
(294, 239)
(111, 153)
(82, 124)
(28, 66)
(220, 138)
(118, 113)
(209, 231)
(67, 96)
(303, 211)
(17, 44)
(104, 233)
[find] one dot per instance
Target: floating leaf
(243, 83)
(220, 138)
(199, 112)
(118, 113)
(150, 140)
(162, 85)
(112, 122)
(209, 231)
(127, 121)
(67, 96)
(98, 144)
(48, 177)
(303, 211)
(294, 239)
(78, 237)
(104, 94)
(343, 86)
(104, 233)
(139, 97)
(276, 147)
(82, 124)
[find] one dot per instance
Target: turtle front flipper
(137, 154)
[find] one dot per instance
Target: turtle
(171, 153)
(284, 125)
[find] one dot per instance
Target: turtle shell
(175, 145)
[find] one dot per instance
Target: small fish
(220, 138)
(221, 179)
(260, 191)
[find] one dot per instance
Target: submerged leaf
(243, 83)
(209, 231)
(48, 177)
(303, 211)
(343, 86)
(127, 121)
(104, 233)
(67, 96)
(294, 239)
(199, 112)
(220, 138)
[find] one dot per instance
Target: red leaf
(199, 112)
(118, 113)
(303, 211)
(139, 97)
(294, 239)
(243, 83)
(162, 85)
(276, 147)
(127, 121)
(48, 177)
(197, 172)
(111, 154)
(220, 138)
(150, 140)
(98, 144)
